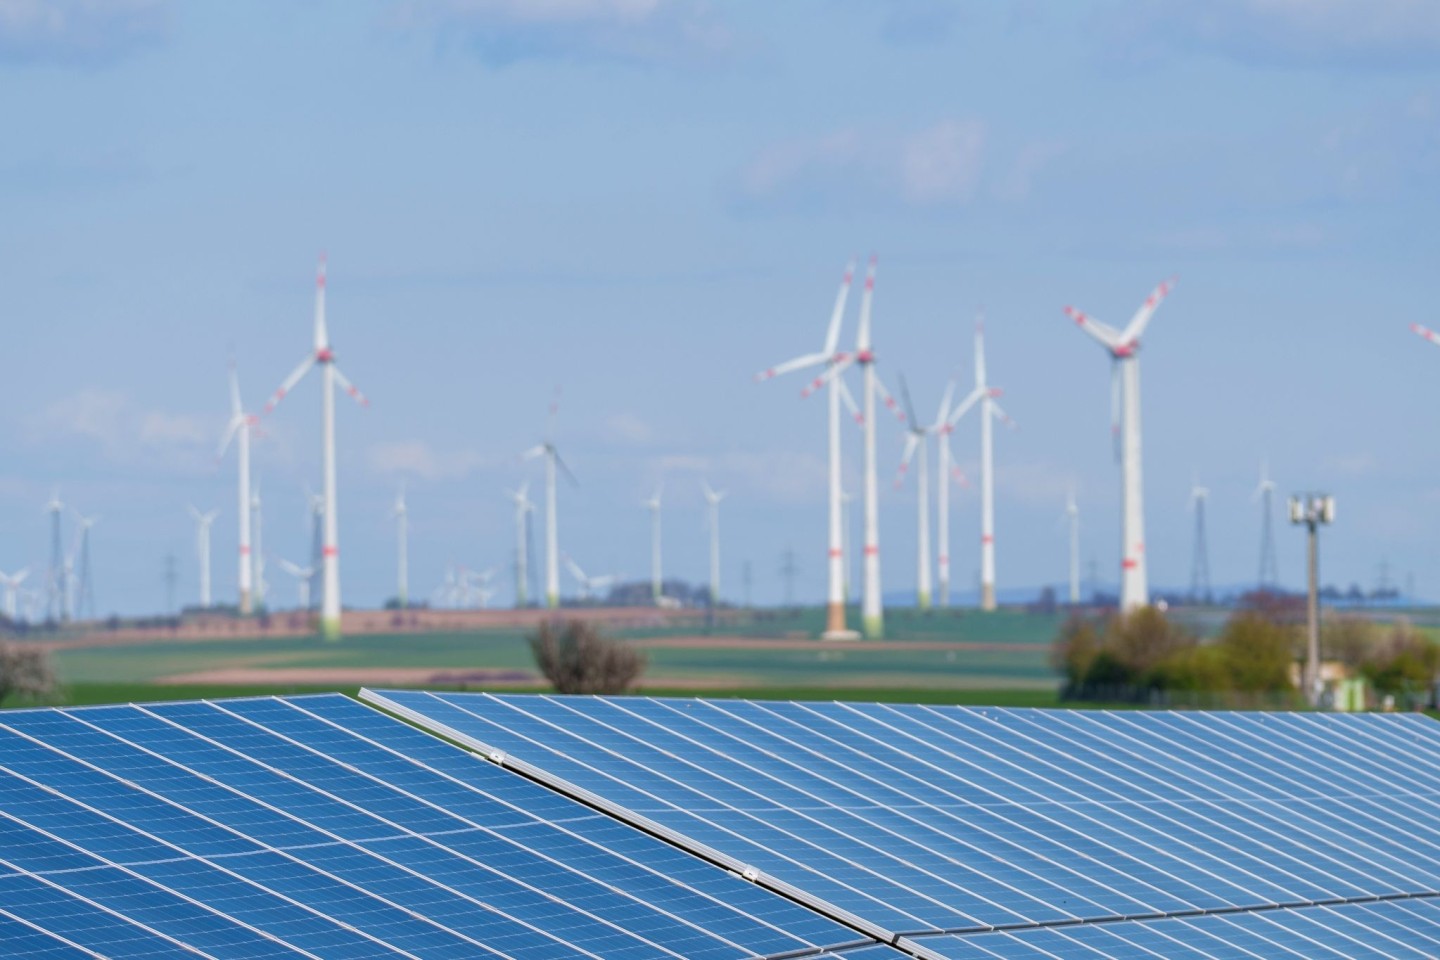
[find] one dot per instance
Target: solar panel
(316, 826)
(947, 820)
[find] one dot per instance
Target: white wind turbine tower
(872, 612)
(552, 537)
(712, 500)
(984, 395)
(1265, 493)
(1123, 347)
(302, 576)
(258, 554)
(11, 583)
(1072, 517)
(523, 507)
(1200, 562)
(239, 429)
(657, 580)
(330, 377)
(828, 356)
(589, 586)
(202, 550)
(917, 439)
(942, 428)
(402, 549)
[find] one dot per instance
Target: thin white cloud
(80, 32)
(628, 429)
(418, 458)
(1367, 34)
(126, 432)
(939, 164)
(674, 33)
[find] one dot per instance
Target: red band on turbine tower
(331, 552)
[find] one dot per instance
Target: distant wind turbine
(657, 581)
(402, 548)
(829, 356)
(303, 576)
(258, 554)
(202, 550)
(872, 611)
(552, 538)
(1123, 347)
(84, 593)
(1265, 494)
(917, 440)
(239, 429)
(712, 500)
(11, 582)
(1200, 561)
(984, 395)
(330, 378)
(590, 587)
(1072, 517)
(523, 508)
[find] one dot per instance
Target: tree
(577, 658)
(1404, 663)
(25, 670)
(1143, 640)
(1350, 640)
(1256, 653)
(1075, 648)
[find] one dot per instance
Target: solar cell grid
(320, 827)
(923, 818)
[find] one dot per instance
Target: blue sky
(646, 201)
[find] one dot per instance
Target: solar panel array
(980, 833)
(319, 827)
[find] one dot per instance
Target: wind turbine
(202, 550)
(330, 377)
(1265, 493)
(1200, 562)
(657, 583)
(315, 511)
(1123, 347)
(302, 575)
(942, 428)
(523, 507)
(56, 587)
(984, 395)
(1072, 517)
(552, 538)
(402, 547)
(84, 580)
(11, 583)
(258, 555)
(589, 586)
(917, 438)
(712, 499)
(872, 610)
(241, 423)
(829, 357)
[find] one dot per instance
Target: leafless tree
(577, 658)
(25, 671)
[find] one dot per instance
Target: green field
(780, 660)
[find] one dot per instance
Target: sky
(644, 202)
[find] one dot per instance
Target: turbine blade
(862, 339)
(1002, 416)
(536, 451)
(909, 407)
(809, 360)
(832, 334)
(236, 409)
(322, 335)
(1136, 328)
(290, 382)
(1107, 336)
(230, 432)
(836, 368)
(965, 406)
(912, 442)
(565, 469)
(942, 416)
(889, 400)
(349, 387)
(847, 398)
(980, 351)
(551, 415)
(1427, 333)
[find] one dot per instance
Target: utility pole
(170, 577)
(1312, 510)
(788, 570)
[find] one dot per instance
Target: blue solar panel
(317, 826)
(928, 819)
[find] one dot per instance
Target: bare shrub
(25, 671)
(577, 658)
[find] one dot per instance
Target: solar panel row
(923, 820)
(319, 827)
